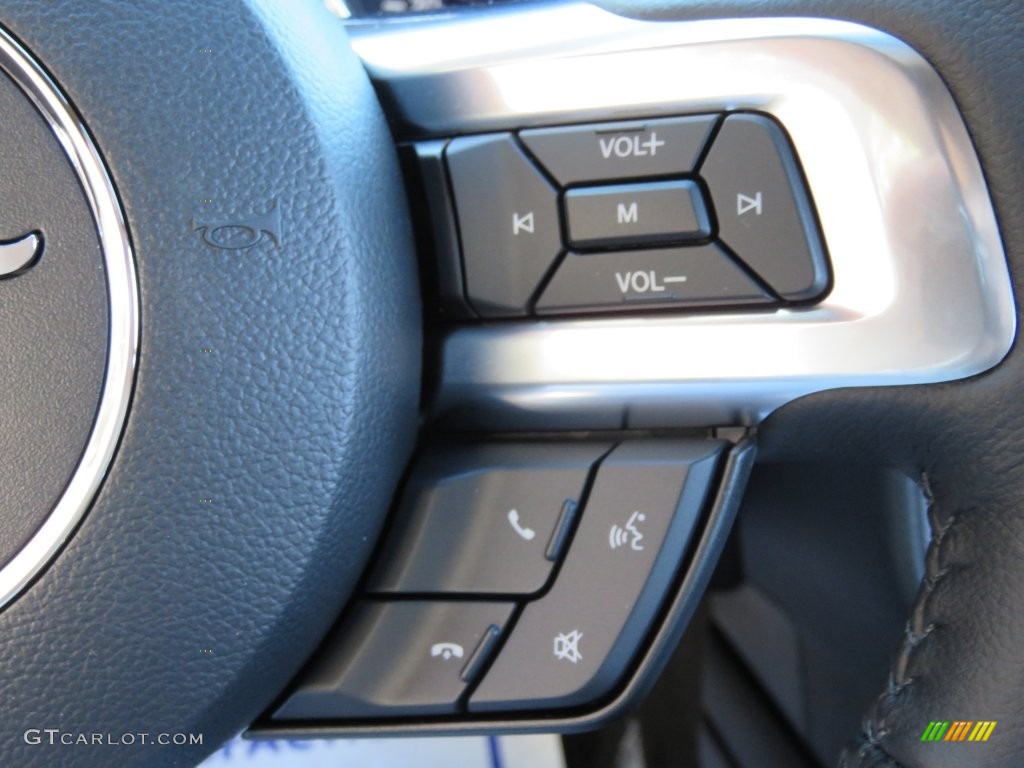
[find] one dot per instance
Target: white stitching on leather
(915, 633)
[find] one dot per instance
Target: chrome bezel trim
(922, 291)
(123, 297)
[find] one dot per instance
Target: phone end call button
(398, 658)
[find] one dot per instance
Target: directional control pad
(560, 220)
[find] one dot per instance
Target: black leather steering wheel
(296, 425)
(169, 612)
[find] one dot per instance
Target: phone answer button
(484, 520)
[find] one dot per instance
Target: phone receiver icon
(513, 519)
(446, 650)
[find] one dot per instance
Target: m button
(636, 214)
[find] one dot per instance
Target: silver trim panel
(922, 291)
(124, 319)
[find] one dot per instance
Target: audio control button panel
(519, 575)
(693, 212)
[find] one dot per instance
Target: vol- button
(621, 280)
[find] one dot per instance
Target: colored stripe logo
(958, 730)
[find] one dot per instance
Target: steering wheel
(213, 366)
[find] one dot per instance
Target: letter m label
(628, 215)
